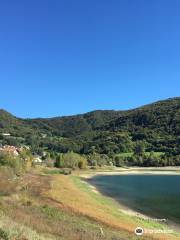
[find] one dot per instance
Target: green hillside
(156, 126)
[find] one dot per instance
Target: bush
(3, 234)
(96, 159)
(119, 161)
(82, 163)
(27, 158)
(49, 163)
(71, 160)
(14, 162)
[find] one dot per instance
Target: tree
(71, 160)
(119, 161)
(82, 162)
(96, 159)
(59, 161)
(139, 148)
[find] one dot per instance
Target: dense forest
(149, 135)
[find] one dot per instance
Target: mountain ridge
(93, 111)
(107, 131)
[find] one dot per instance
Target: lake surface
(157, 196)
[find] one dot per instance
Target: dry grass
(43, 207)
(30, 208)
(79, 202)
(13, 230)
(72, 197)
(9, 182)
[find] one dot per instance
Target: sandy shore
(133, 170)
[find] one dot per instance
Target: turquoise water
(157, 196)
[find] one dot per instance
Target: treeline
(19, 164)
(74, 160)
(136, 158)
(148, 161)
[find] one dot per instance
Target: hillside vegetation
(156, 127)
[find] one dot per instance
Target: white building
(37, 160)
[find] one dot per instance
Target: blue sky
(62, 57)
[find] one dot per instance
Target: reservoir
(157, 196)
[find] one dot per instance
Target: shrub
(14, 162)
(119, 161)
(71, 160)
(3, 234)
(96, 159)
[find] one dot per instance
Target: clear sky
(62, 57)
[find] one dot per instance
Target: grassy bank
(79, 197)
(118, 217)
(43, 204)
(31, 210)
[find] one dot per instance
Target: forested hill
(162, 117)
(157, 125)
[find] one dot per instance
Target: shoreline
(122, 208)
(133, 171)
